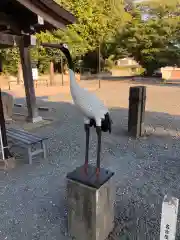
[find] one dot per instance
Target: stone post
(137, 101)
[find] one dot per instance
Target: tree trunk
(20, 75)
(51, 71)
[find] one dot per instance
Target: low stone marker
(169, 218)
(8, 104)
(90, 204)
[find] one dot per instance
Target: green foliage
(97, 21)
(109, 63)
(140, 71)
(10, 59)
(153, 42)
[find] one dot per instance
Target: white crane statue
(94, 111)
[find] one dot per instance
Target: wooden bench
(27, 140)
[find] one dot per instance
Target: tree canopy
(147, 31)
(151, 36)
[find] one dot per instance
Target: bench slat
(27, 134)
(26, 139)
(23, 136)
(18, 137)
(23, 132)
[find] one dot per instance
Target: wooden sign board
(169, 218)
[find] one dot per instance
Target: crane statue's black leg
(98, 130)
(87, 130)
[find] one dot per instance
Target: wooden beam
(9, 22)
(32, 7)
(9, 40)
(60, 11)
(29, 40)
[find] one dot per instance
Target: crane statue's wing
(89, 104)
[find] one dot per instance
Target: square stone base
(34, 120)
(90, 204)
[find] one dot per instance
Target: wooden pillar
(33, 115)
(137, 101)
(51, 72)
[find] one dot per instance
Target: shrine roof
(23, 15)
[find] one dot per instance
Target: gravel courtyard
(33, 198)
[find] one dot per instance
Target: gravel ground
(32, 198)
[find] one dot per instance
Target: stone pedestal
(90, 204)
(34, 119)
(8, 104)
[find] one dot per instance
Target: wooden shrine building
(19, 21)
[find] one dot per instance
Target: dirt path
(114, 94)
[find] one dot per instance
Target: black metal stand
(137, 102)
(98, 130)
(90, 179)
(87, 130)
